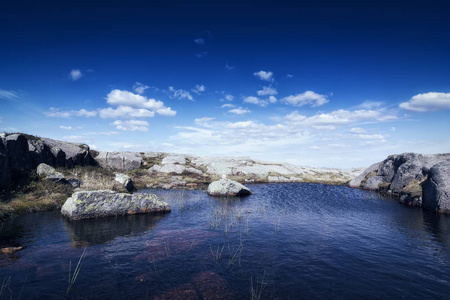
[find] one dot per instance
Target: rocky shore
(40, 173)
(417, 179)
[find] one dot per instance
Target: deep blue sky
(352, 81)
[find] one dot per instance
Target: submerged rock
(94, 204)
(226, 187)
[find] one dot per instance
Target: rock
(397, 171)
(404, 175)
(50, 173)
(360, 180)
(75, 183)
(436, 189)
(125, 181)
(20, 154)
(120, 161)
(174, 159)
(226, 187)
(172, 168)
(10, 250)
(95, 204)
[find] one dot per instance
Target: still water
(286, 241)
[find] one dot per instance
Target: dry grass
(38, 195)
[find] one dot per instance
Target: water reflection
(99, 231)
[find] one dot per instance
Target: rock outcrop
(226, 187)
(120, 161)
(405, 175)
(95, 204)
(125, 181)
(436, 189)
(20, 154)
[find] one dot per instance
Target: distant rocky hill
(418, 179)
(179, 169)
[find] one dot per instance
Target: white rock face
(120, 161)
(174, 159)
(226, 187)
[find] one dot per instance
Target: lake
(286, 241)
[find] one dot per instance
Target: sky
(317, 83)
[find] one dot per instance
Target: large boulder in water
(94, 204)
(436, 189)
(226, 187)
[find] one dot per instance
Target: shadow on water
(90, 232)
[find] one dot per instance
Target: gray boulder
(226, 187)
(436, 189)
(125, 181)
(120, 161)
(95, 204)
(360, 180)
(50, 173)
(21, 153)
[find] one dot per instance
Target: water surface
(286, 241)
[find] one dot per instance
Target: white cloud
(200, 41)
(198, 89)
(357, 130)
(289, 75)
(66, 127)
(339, 117)
(370, 105)
(263, 75)
(204, 122)
(131, 125)
(306, 98)
(256, 100)
(272, 99)
(166, 111)
(239, 111)
(181, 94)
(123, 111)
(139, 87)
(227, 105)
(229, 67)
(10, 95)
(108, 133)
(201, 54)
(267, 91)
(54, 112)
(229, 97)
(129, 99)
(427, 102)
(75, 74)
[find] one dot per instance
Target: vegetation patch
(414, 189)
(38, 195)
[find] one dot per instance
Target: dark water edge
(286, 241)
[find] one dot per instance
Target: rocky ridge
(418, 179)
(21, 153)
